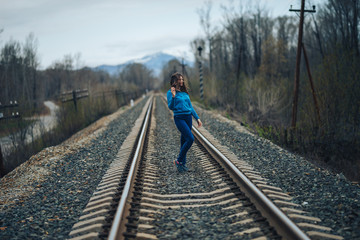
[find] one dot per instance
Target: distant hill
(154, 62)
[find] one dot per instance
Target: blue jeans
(184, 124)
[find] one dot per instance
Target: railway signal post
(201, 74)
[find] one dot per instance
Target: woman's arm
(199, 122)
(170, 100)
(193, 112)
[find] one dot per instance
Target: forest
(248, 61)
(22, 81)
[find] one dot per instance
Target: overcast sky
(113, 31)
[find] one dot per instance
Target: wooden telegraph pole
(312, 85)
(298, 60)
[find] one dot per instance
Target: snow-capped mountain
(154, 62)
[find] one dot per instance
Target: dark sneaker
(184, 168)
(178, 166)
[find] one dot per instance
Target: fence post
(74, 99)
(76, 94)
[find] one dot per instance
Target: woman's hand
(199, 122)
(173, 91)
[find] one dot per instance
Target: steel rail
(283, 225)
(118, 220)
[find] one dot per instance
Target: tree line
(249, 68)
(22, 80)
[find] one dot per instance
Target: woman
(179, 102)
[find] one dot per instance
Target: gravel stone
(61, 187)
(321, 193)
(205, 222)
(59, 199)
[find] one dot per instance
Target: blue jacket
(181, 104)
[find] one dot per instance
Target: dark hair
(174, 82)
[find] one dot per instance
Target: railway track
(142, 196)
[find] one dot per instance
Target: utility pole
(312, 85)
(298, 60)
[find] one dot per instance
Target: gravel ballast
(57, 199)
(321, 193)
(204, 222)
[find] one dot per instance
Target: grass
(10, 126)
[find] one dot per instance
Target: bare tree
(205, 21)
(30, 65)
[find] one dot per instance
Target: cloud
(106, 31)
